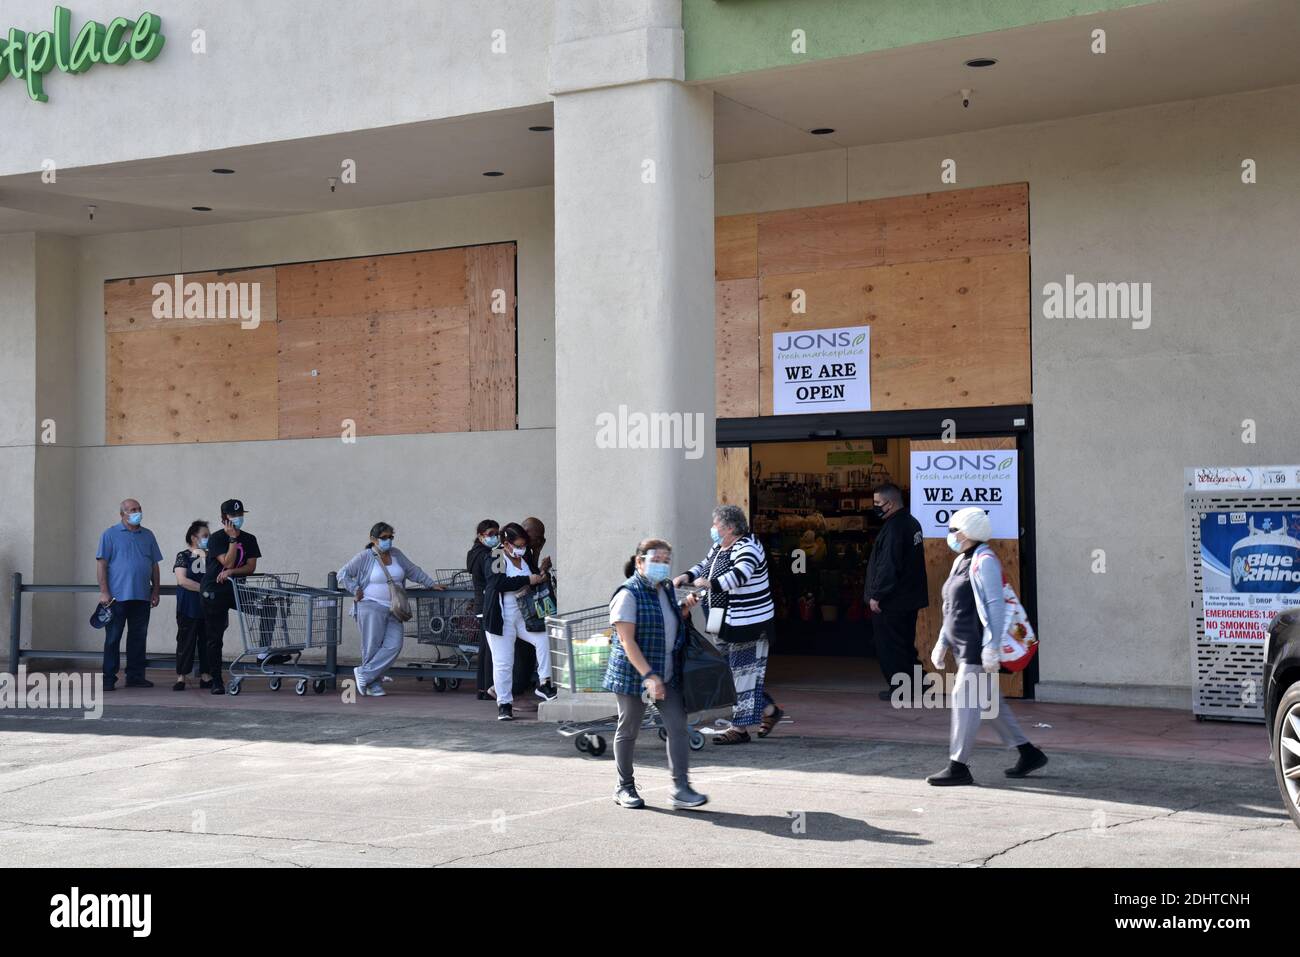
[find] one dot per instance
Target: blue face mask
(203, 542)
(953, 543)
(492, 541)
(657, 571)
(135, 518)
(715, 535)
(237, 521)
(385, 544)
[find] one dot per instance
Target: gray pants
(381, 640)
(631, 712)
(966, 711)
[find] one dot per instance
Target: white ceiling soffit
(1159, 52)
(394, 165)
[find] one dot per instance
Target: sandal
(733, 735)
(770, 721)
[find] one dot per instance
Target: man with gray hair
(896, 587)
(126, 565)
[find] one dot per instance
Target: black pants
(189, 640)
(216, 618)
(133, 618)
(895, 638)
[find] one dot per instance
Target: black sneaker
(626, 796)
(179, 686)
(954, 774)
(112, 687)
(218, 688)
(139, 683)
(205, 683)
(1031, 759)
(546, 692)
(505, 713)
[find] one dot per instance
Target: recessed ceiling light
(223, 171)
(980, 62)
(541, 129)
(201, 209)
(494, 172)
(822, 131)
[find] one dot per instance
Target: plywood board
(129, 304)
(735, 247)
(491, 367)
(404, 283)
(943, 334)
(211, 383)
(736, 348)
(950, 224)
(938, 563)
(733, 477)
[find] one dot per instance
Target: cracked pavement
(175, 787)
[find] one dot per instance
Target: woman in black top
(486, 538)
(188, 569)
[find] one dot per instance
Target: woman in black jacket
(506, 581)
(486, 538)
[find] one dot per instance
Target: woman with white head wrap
(974, 615)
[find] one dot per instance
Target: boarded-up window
(410, 342)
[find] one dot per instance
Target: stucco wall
(1147, 195)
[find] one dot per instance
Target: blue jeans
(133, 618)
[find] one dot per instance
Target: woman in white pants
(366, 577)
(973, 619)
(507, 580)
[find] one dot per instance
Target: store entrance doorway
(809, 500)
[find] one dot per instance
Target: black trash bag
(706, 676)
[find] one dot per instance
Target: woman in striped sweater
(735, 573)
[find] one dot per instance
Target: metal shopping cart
(278, 620)
(580, 643)
(449, 622)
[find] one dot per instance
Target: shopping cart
(449, 622)
(580, 644)
(278, 620)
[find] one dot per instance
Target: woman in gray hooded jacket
(366, 578)
(974, 614)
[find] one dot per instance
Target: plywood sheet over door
(733, 477)
(938, 563)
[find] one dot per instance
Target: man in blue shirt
(127, 570)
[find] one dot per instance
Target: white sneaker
(361, 685)
(374, 691)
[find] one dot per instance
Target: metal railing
(329, 671)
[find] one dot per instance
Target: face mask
(715, 535)
(657, 571)
(952, 542)
(878, 511)
(385, 544)
(237, 521)
(203, 542)
(492, 541)
(135, 518)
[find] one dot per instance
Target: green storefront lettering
(29, 56)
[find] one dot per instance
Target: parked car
(1282, 704)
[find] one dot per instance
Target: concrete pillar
(633, 291)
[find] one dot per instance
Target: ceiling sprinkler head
(91, 211)
(334, 182)
(965, 99)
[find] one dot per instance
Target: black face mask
(877, 511)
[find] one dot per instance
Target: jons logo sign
(948, 462)
(820, 340)
(29, 56)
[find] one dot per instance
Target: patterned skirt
(748, 661)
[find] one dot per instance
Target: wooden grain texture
(491, 364)
(736, 348)
(949, 333)
(938, 563)
(951, 224)
(733, 477)
(735, 247)
(209, 383)
(403, 283)
(129, 303)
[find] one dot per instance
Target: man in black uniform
(896, 586)
(232, 553)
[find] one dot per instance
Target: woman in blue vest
(646, 659)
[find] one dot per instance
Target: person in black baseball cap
(232, 553)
